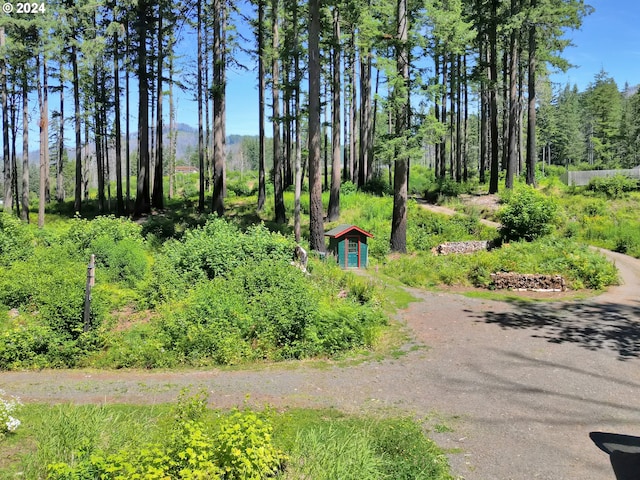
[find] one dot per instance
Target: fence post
(91, 280)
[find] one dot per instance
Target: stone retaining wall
(526, 281)
(461, 247)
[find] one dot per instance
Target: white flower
(13, 424)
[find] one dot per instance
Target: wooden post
(91, 280)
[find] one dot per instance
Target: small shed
(349, 245)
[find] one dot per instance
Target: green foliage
(580, 266)
(378, 185)
(528, 215)
(212, 251)
(244, 447)
(612, 187)
(355, 448)
(242, 188)
(347, 188)
(16, 241)
(240, 448)
(83, 232)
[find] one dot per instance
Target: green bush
(347, 188)
(240, 448)
(82, 232)
(528, 215)
(614, 186)
(125, 260)
(220, 247)
(16, 241)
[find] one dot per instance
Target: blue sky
(609, 40)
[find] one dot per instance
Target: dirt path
(520, 385)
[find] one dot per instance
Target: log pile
(522, 281)
(461, 247)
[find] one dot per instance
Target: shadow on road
(593, 326)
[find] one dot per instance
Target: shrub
(347, 188)
(16, 242)
(614, 186)
(243, 447)
(528, 215)
(82, 232)
(239, 449)
(125, 260)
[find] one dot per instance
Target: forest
(363, 89)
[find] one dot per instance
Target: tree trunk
(158, 183)
(127, 140)
(493, 105)
(277, 151)
(77, 204)
(334, 197)
(173, 134)
(512, 157)
(25, 146)
(316, 228)
(143, 203)
(365, 118)
(60, 193)
(217, 205)
(531, 110)
(298, 131)
(401, 172)
(8, 194)
(201, 163)
(118, 130)
(262, 194)
(44, 140)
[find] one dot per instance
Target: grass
(320, 444)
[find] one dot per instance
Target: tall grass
(320, 444)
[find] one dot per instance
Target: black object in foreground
(624, 453)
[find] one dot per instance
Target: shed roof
(344, 229)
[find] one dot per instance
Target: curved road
(519, 384)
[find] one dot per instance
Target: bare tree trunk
(364, 175)
(77, 204)
(127, 151)
(512, 157)
(316, 229)
(118, 130)
(352, 113)
(158, 184)
(60, 193)
(8, 194)
(531, 110)
(25, 147)
(334, 197)
(493, 112)
(398, 240)
(298, 132)
(173, 134)
(201, 164)
(219, 109)
(277, 153)
(44, 138)
(143, 203)
(262, 194)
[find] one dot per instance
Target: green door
(353, 251)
